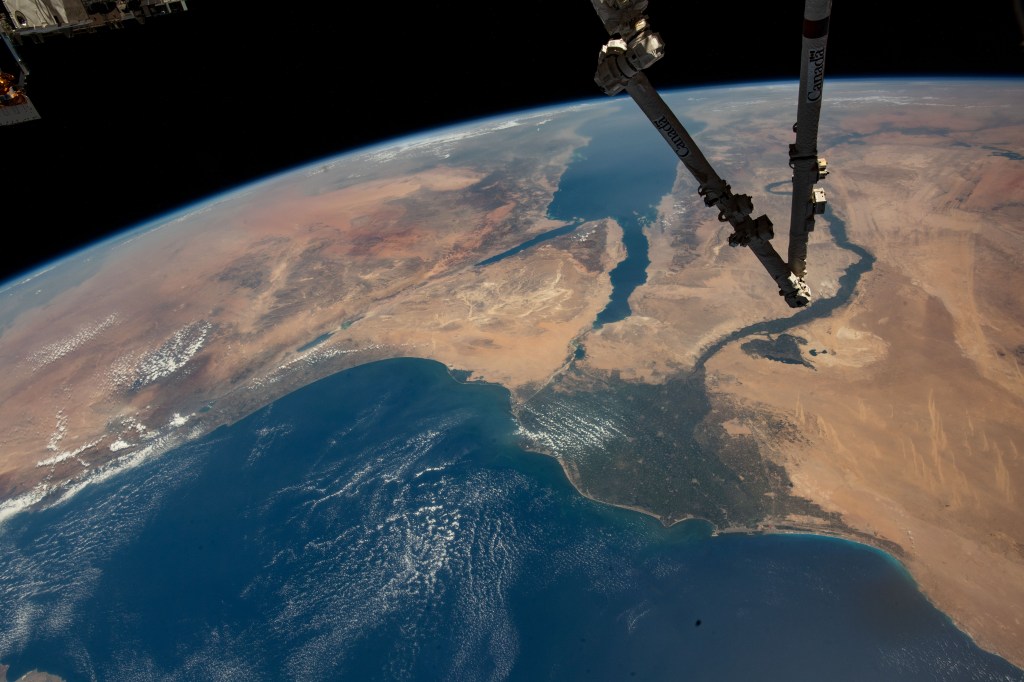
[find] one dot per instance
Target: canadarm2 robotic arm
(632, 48)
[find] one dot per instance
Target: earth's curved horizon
(888, 412)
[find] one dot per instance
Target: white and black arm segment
(808, 168)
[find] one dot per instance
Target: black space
(141, 120)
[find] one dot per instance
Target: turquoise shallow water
(383, 524)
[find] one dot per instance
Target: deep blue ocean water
(384, 524)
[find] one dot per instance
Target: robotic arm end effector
(796, 292)
(619, 61)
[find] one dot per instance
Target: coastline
(892, 551)
(769, 527)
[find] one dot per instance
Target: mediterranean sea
(384, 524)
